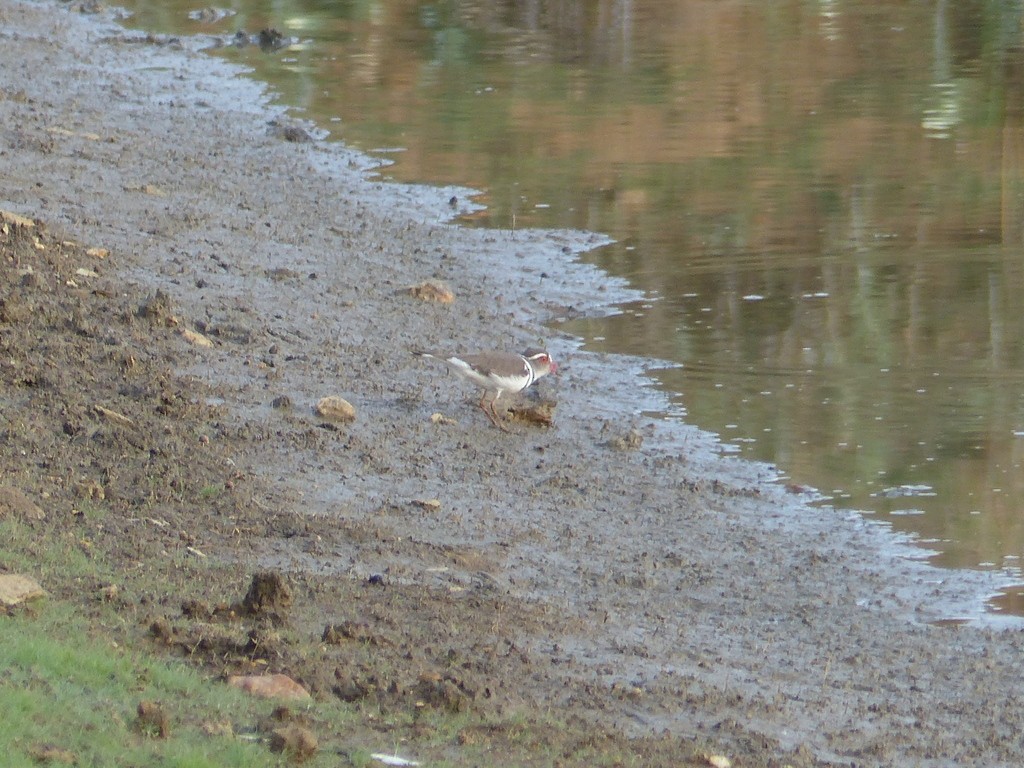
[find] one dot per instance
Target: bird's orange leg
(492, 414)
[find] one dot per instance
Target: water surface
(824, 201)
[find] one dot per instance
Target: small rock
(275, 686)
(432, 290)
(15, 589)
(440, 418)
(337, 409)
(113, 416)
(195, 338)
(431, 504)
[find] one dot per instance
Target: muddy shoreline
(684, 592)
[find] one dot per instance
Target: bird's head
(541, 362)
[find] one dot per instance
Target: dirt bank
(649, 592)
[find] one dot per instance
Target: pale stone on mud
(334, 408)
(113, 416)
(432, 290)
(195, 338)
(275, 686)
(88, 136)
(427, 503)
(15, 589)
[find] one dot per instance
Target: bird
(497, 373)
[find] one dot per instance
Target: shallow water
(823, 200)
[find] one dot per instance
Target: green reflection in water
(826, 198)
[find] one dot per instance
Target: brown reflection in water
(826, 197)
(1010, 601)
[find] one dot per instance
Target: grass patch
(74, 668)
(66, 695)
(211, 491)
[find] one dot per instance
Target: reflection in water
(825, 198)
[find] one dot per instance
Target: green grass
(62, 689)
(211, 491)
(66, 684)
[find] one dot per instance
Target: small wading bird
(497, 373)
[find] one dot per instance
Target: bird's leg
(492, 414)
(483, 406)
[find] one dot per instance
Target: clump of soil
(268, 595)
